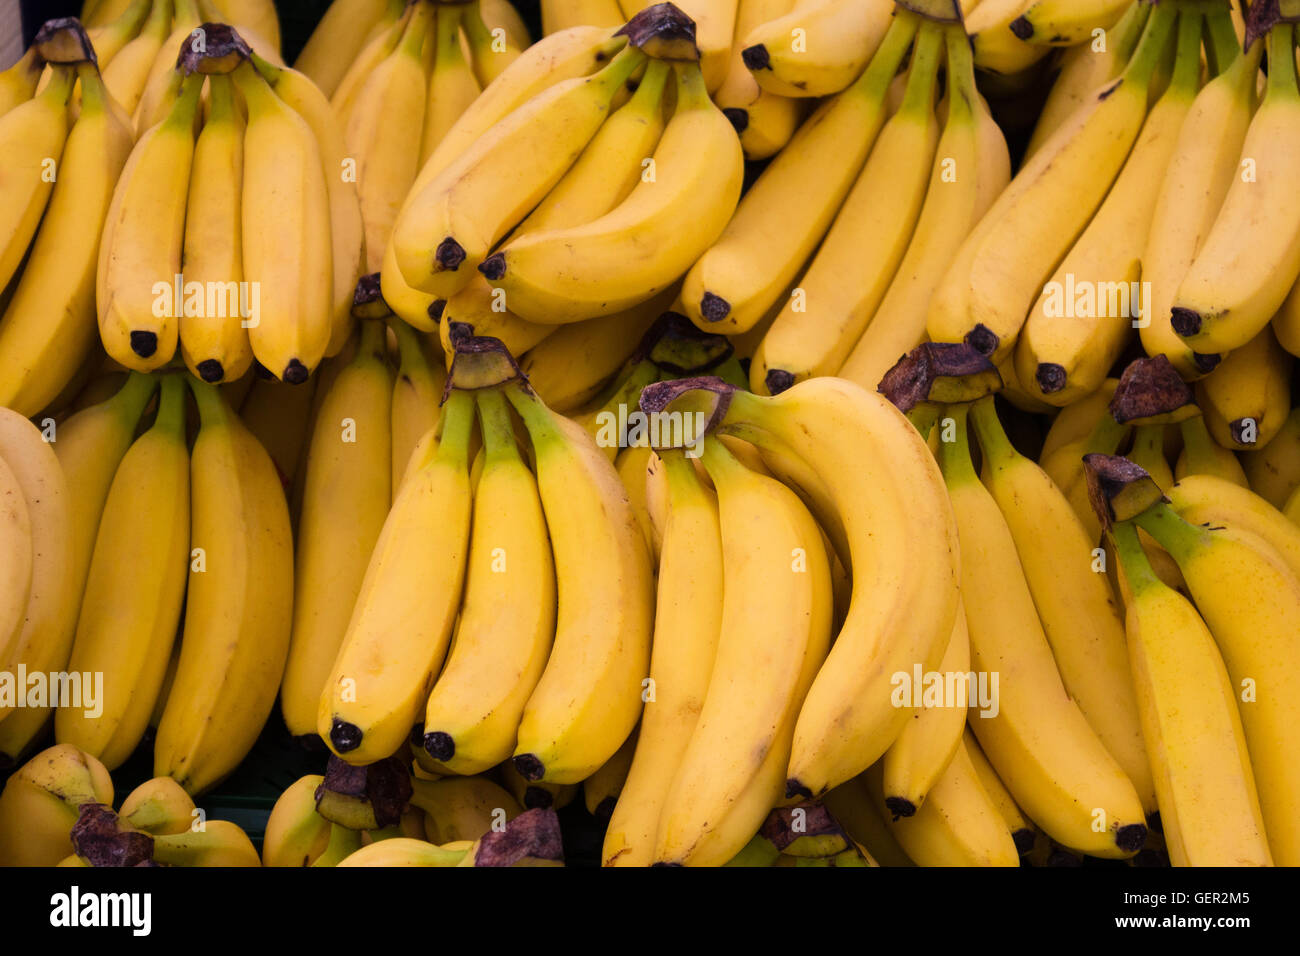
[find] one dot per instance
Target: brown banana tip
(900, 807)
(98, 838)
(793, 788)
(538, 798)
(368, 290)
(448, 256)
(64, 40)
(457, 331)
(385, 785)
(1130, 837)
(714, 308)
(144, 344)
(1185, 322)
(1024, 840)
(529, 767)
(1238, 428)
(436, 308)
(983, 339)
(739, 118)
(939, 372)
(211, 371)
(494, 267)
(605, 809)
(344, 736)
(778, 380)
(778, 828)
(662, 31)
(212, 48)
(1118, 489)
(295, 373)
(439, 745)
(1051, 378)
(1149, 387)
(756, 57)
(1022, 28)
(534, 834)
(1206, 362)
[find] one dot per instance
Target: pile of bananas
(528, 421)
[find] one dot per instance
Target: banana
(285, 211)
(632, 465)
(1191, 192)
(134, 589)
(257, 18)
(40, 802)
(1247, 399)
(600, 791)
(452, 85)
(141, 249)
(296, 835)
(405, 851)
(508, 612)
(129, 71)
(1002, 267)
(764, 121)
(1080, 615)
(1039, 741)
(1021, 828)
(1067, 22)
(478, 309)
(496, 37)
(219, 844)
(715, 32)
(345, 502)
(213, 339)
(18, 83)
(32, 137)
(1083, 68)
(463, 808)
(238, 603)
(858, 258)
(159, 806)
(1209, 809)
(1214, 502)
(301, 95)
(998, 51)
(1286, 324)
(1274, 470)
(109, 39)
(367, 710)
(383, 132)
(854, 808)
(773, 636)
(160, 83)
(1076, 421)
(782, 218)
(589, 696)
(1148, 451)
(1250, 600)
(958, 825)
(1251, 257)
(637, 249)
(974, 151)
(1202, 455)
(1067, 345)
(818, 48)
(338, 38)
(16, 545)
(417, 391)
(380, 44)
(558, 15)
(48, 327)
(688, 621)
(447, 226)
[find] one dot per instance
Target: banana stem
(1222, 44)
(882, 69)
(961, 75)
(1176, 535)
(954, 456)
(1105, 436)
(993, 439)
(1187, 59)
(1133, 561)
(919, 94)
(457, 424)
(1281, 62)
(1151, 47)
(171, 406)
(186, 106)
(134, 394)
(683, 480)
(94, 95)
(417, 28)
(923, 418)
(1196, 446)
(213, 410)
(497, 427)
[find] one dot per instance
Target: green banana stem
(171, 406)
(134, 395)
(1179, 537)
(919, 94)
(213, 410)
(961, 75)
(458, 423)
(496, 425)
(1133, 561)
(1150, 49)
(1128, 31)
(923, 418)
(1187, 59)
(1222, 45)
(1281, 62)
(1197, 448)
(993, 439)
(1105, 436)
(954, 456)
(882, 69)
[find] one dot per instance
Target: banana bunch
(592, 253)
(233, 231)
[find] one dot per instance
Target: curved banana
(1247, 399)
(238, 603)
(452, 85)
(496, 36)
(127, 74)
(600, 791)
(688, 620)
(463, 808)
(296, 835)
(344, 505)
(558, 15)
(1274, 470)
(337, 40)
(39, 805)
(637, 249)
(507, 613)
(18, 83)
(1202, 455)
(1022, 829)
(160, 82)
(417, 392)
(48, 327)
(1251, 257)
(404, 851)
(1209, 808)
(16, 544)
(997, 50)
(1212, 501)
(1067, 22)
(764, 121)
(366, 710)
(818, 48)
(134, 588)
(379, 45)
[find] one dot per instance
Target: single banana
(296, 835)
(1202, 455)
(380, 45)
(1251, 257)
(159, 84)
(507, 614)
(135, 587)
(782, 218)
(368, 705)
(452, 85)
(1067, 22)
(405, 851)
(109, 39)
(478, 309)
(857, 260)
(344, 505)
(129, 71)
(688, 621)
(40, 802)
(463, 808)
(1148, 451)
(1209, 808)
(238, 603)
(1248, 397)
(159, 806)
(417, 392)
(773, 636)
(998, 51)
(16, 545)
(600, 791)
(1023, 832)
(285, 210)
(764, 121)
(338, 38)
(18, 83)
(1211, 501)
(637, 249)
(818, 48)
(1274, 470)
(496, 37)
(558, 15)
(48, 327)
(141, 250)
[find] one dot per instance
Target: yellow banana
(463, 808)
(764, 121)
(1274, 470)
(338, 38)
(997, 50)
(558, 15)
(18, 83)
(405, 851)
(452, 85)
(39, 805)
(159, 84)
(478, 309)
(818, 48)
(238, 603)
(600, 791)
(1202, 455)
(296, 835)
(715, 32)
(1022, 829)
(128, 72)
(109, 39)
(1248, 397)
(1215, 502)
(1067, 22)
(496, 37)
(159, 806)
(17, 545)
(417, 392)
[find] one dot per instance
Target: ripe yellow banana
(159, 86)
(765, 121)
(782, 218)
(40, 802)
(140, 252)
(109, 39)
(344, 505)
(600, 791)
(688, 619)
(448, 226)
(338, 38)
(1001, 268)
(238, 603)
(1052, 761)
(1022, 829)
(558, 15)
(285, 210)
(463, 808)
(1251, 257)
(368, 705)
(856, 262)
(507, 614)
(452, 85)
(589, 696)
(159, 806)
(1274, 470)
(637, 249)
(128, 72)
(1202, 455)
(379, 45)
(16, 544)
(417, 392)
(1247, 399)
(1212, 501)
(48, 326)
(997, 50)
(1085, 315)
(1209, 808)
(213, 339)
(135, 588)
(18, 83)
(773, 636)
(496, 36)
(296, 835)
(818, 48)
(1067, 22)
